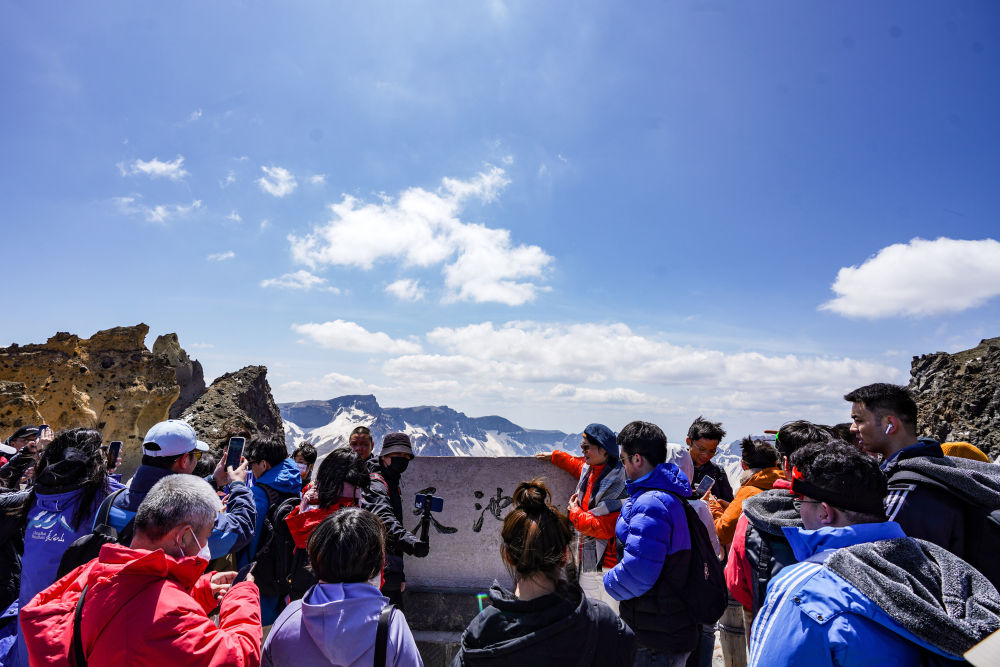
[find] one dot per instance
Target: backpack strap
(78, 655)
(104, 511)
(382, 635)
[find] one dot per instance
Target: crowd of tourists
(849, 544)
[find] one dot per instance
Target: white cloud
(423, 229)
(352, 337)
(277, 181)
(221, 256)
(156, 168)
(567, 392)
(160, 213)
(264, 224)
(919, 278)
(228, 180)
(195, 115)
(234, 216)
(406, 289)
(300, 280)
(200, 346)
(317, 179)
(331, 384)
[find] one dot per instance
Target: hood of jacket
(302, 524)
(341, 619)
(523, 626)
(931, 593)
(764, 479)
(975, 480)
(664, 477)
(283, 478)
(771, 511)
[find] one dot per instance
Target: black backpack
(705, 593)
(982, 524)
(274, 558)
(86, 548)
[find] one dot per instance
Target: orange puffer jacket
(143, 608)
(725, 520)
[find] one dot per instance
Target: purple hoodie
(335, 624)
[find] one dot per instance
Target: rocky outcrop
(958, 395)
(109, 381)
(237, 403)
(187, 372)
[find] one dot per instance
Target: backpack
(704, 593)
(982, 524)
(275, 553)
(767, 555)
(86, 548)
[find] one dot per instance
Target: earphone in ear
(888, 429)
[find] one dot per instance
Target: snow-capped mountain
(434, 430)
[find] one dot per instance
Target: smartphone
(235, 452)
(243, 571)
(113, 451)
(424, 500)
(704, 486)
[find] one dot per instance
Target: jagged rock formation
(958, 395)
(109, 381)
(237, 403)
(188, 372)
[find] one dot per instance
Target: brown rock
(958, 395)
(236, 403)
(188, 372)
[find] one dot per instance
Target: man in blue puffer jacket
(862, 592)
(654, 549)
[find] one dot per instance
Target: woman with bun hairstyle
(545, 620)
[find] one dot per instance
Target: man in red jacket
(148, 604)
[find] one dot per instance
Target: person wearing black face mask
(383, 499)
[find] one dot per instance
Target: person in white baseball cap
(173, 438)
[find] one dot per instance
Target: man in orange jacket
(148, 604)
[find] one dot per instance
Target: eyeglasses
(702, 448)
(586, 448)
(196, 453)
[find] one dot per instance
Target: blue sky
(556, 212)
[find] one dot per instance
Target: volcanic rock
(237, 403)
(188, 372)
(958, 395)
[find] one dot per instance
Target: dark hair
(840, 467)
(799, 433)
(882, 398)
(844, 432)
(339, 466)
(267, 447)
(535, 534)
(73, 460)
(758, 453)
(347, 547)
(702, 429)
(644, 438)
(205, 466)
(362, 430)
(161, 462)
(307, 451)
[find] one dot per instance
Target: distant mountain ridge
(434, 430)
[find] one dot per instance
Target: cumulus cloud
(235, 216)
(352, 337)
(918, 279)
(406, 289)
(620, 395)
(221, 256)
(228, 180)
(277, 181)
(300, 280)
(317, 179)
(422, 229)
(161, 213)
(155, 168)
(195, 115)
(264, 224)
(335, 384)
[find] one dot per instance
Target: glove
(421, 549)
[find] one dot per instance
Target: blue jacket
(284, 478)
(652, 526)
(654, 554)
(813, 616)
(233, 528)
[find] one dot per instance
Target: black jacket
(383, 500)
(721, 489)
(562, 628)
(11, 546)
(767, 548)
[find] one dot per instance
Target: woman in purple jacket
(335, 622)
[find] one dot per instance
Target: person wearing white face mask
(305, 458)
(340, 478)
(148, 604)
(338, 620)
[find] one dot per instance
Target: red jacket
(601, 527)
(302, 524)
(143, 608)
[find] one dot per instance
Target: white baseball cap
(171, 438)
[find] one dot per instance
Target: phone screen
(235, 452)
(704, 486)
(113, 451)
(243, 572)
